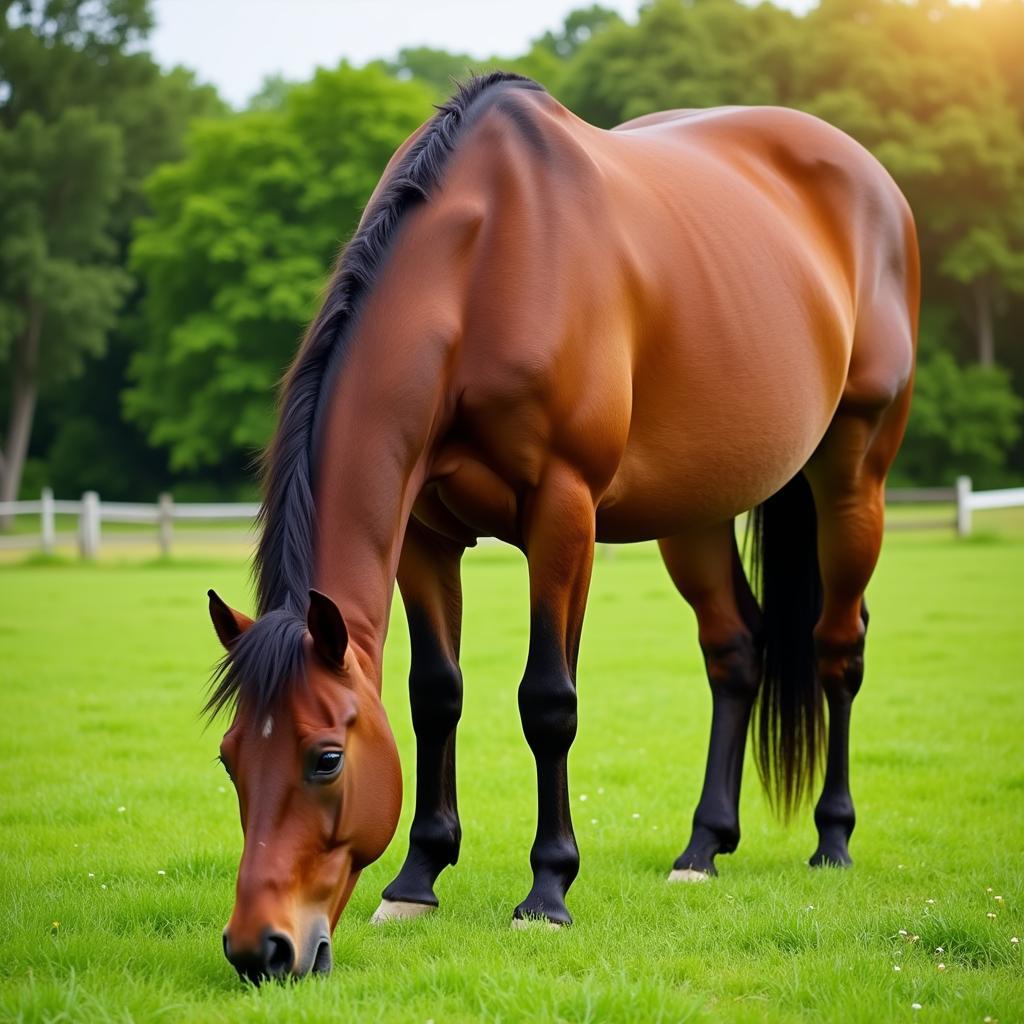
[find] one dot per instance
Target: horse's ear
(228, 623)
(327, 628)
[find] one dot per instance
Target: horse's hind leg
(429, 579)
(847, 478)
(706, 569)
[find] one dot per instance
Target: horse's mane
(269, 654)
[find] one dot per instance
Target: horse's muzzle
(273, 957)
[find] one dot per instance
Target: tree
(239, 242)
(81, 122)
(930, 89)
(683, 55)
(963, 420)
(59, 292)
(578, 28)
(436, 68)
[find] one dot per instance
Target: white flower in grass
(998, 899)
(991, 914)
(593, 821)
(161, 872)
(940, 967)
(92, 874)
(897, 968)
(939, 949)
(600, 790)
(915, 1006)
(103, 885)
(583, 796)
(635, 815)
(904, 932)
(1014, 941)
(122, 809)
(988, 888)
(930, 902)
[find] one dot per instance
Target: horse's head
(319, 785)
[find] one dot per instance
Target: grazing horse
(553, 334)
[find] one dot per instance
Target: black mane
(269, 654)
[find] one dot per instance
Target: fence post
(47, 525)
(89, 526)
(165, 518)
(963, 506)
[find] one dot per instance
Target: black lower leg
(841, 671)
(435, 694)
(547, 704)
(733, 672)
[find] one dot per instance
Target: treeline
(160, 254)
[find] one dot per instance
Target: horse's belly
(705, 446)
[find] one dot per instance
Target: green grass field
(120, 835)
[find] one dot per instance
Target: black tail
(788, 584)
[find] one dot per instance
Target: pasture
(120, 833)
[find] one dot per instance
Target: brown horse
(552, 334)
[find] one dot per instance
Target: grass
(120, 835)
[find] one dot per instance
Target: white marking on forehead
(268, 726)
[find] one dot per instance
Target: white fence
(93, 513)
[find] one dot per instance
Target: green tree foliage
(434, 67)
(684, 55)
(237, 247)
(964, 420)
(82, 123)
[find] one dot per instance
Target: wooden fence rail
(92, 513)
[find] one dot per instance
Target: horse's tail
(789, 719)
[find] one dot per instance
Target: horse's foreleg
(430, 582)
(559, 542)
(707, 571)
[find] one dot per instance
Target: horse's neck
(374, 450)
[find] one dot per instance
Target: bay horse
(553, 334)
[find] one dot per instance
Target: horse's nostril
(278, 954)
(323, 961)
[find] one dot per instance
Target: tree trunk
(983, 330)
(24, 389)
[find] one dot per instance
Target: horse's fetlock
(835, 812)
(439, 836)
(560, 856)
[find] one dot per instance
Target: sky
(234, 44)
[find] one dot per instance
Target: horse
(556, 335)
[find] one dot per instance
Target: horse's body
(626, 335)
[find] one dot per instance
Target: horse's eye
(329, 763)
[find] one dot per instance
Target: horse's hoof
(399, 910)
(688, 875)
(831, 859)
(523, 924)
